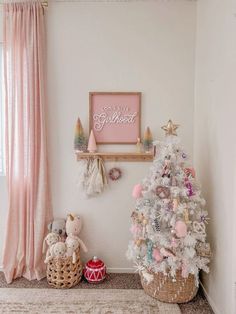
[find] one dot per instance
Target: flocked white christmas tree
(169, 220)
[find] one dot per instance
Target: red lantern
(95, 270)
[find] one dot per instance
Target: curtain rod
(58, 1)
(44, 3)
(96, 1)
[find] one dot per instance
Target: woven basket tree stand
(163, 288)
(62, 273)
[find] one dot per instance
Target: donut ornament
(162, 192)
(115, 174)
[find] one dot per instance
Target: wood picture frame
(115, 117)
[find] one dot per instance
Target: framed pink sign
(115, 117)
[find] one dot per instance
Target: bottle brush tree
(80, 141)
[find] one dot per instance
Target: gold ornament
(138, 242)
(186, 216)
(175, 204)
(140, 218)
(145, 222)
(170, 128)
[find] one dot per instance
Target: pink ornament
(181, 229)
(157, 255)
(174, 243)
(175, 204)
(137, 191)
(92, 146)
(135, 230)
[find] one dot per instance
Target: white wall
(133, 46)
(214, 140)
(136, 46)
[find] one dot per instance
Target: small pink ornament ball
(135, 229)
(174, 243)
(180, 229)
(137, 191)
(157, 255)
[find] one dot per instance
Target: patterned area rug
(198, 305)
(96, 301)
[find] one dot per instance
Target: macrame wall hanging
(92, 176)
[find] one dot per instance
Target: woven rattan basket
(163, 288)
(62, 273)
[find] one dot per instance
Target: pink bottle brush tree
(92, 146)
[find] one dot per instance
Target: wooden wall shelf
(117, 156)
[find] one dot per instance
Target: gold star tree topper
(170, 128)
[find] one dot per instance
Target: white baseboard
(120, 270)
(210, 301)
(109, 270)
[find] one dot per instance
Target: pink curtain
(26, 154)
